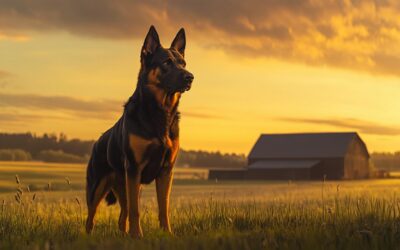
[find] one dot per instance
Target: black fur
(143, 116)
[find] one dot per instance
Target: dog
(143, 144)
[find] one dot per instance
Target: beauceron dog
(143, 144)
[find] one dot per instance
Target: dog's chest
(150, 155)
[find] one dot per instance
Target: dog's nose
(188, 77)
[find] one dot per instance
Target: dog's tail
(110, 198)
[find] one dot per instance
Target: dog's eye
(167, 62)
(182, 63)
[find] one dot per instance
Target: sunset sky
(260, 66)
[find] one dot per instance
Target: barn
(305, 156)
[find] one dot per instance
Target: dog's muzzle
(188, 79)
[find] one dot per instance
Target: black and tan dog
(142, 146)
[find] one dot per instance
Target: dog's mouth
(184, 88)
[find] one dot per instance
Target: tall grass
(204, 215)
(338, 221)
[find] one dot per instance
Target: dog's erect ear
(179, 42)
(151, 42)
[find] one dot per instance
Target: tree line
(387, 161)
(58, 148)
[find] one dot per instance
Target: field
(50, 213)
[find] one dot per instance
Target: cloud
(100, 109)
(354, 34)
(66, 107)
(14, 37)
(201, 115)
(365, 127)
(4, 74)
(23, 118)
(111, 19)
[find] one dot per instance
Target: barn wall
(356, 162)
(332, 168)
(278, 174)
(226, 174)
(260, 174)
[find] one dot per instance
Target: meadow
(43, 207)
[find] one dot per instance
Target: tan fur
(138, 146)
(165, 101)
(158, 93)
(163, 187)
(152, 77)
(133, 195)
(119, 191)
(174, 151)
(172, 101)
(168, 102)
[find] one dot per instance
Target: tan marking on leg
(133, 193)
(164, 185)
(138, 145)
(102, 189)
(119, 191)
(174, 151)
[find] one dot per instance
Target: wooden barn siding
(278, 174)
(353, 166)
(356, 162)
(332, 168)
(260, 174)
(226, 174)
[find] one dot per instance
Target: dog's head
(165, 68)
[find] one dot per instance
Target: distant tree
(14, 155)
(60, 156)
(21, 155)
(49, 147)
(34, 144)
(6, 155)
(209, 159)
(386, 161)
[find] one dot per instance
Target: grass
(38, 175)
(209, 215)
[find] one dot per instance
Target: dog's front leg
(164, 184)
(133, 193)
(163, 187)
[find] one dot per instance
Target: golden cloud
(66, 107)
(362, 126)
(354, 34)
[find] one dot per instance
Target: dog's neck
(166, 101)
(157, 108)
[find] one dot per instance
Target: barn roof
(300, 146)
(281, 164)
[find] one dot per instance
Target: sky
(260, 66)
